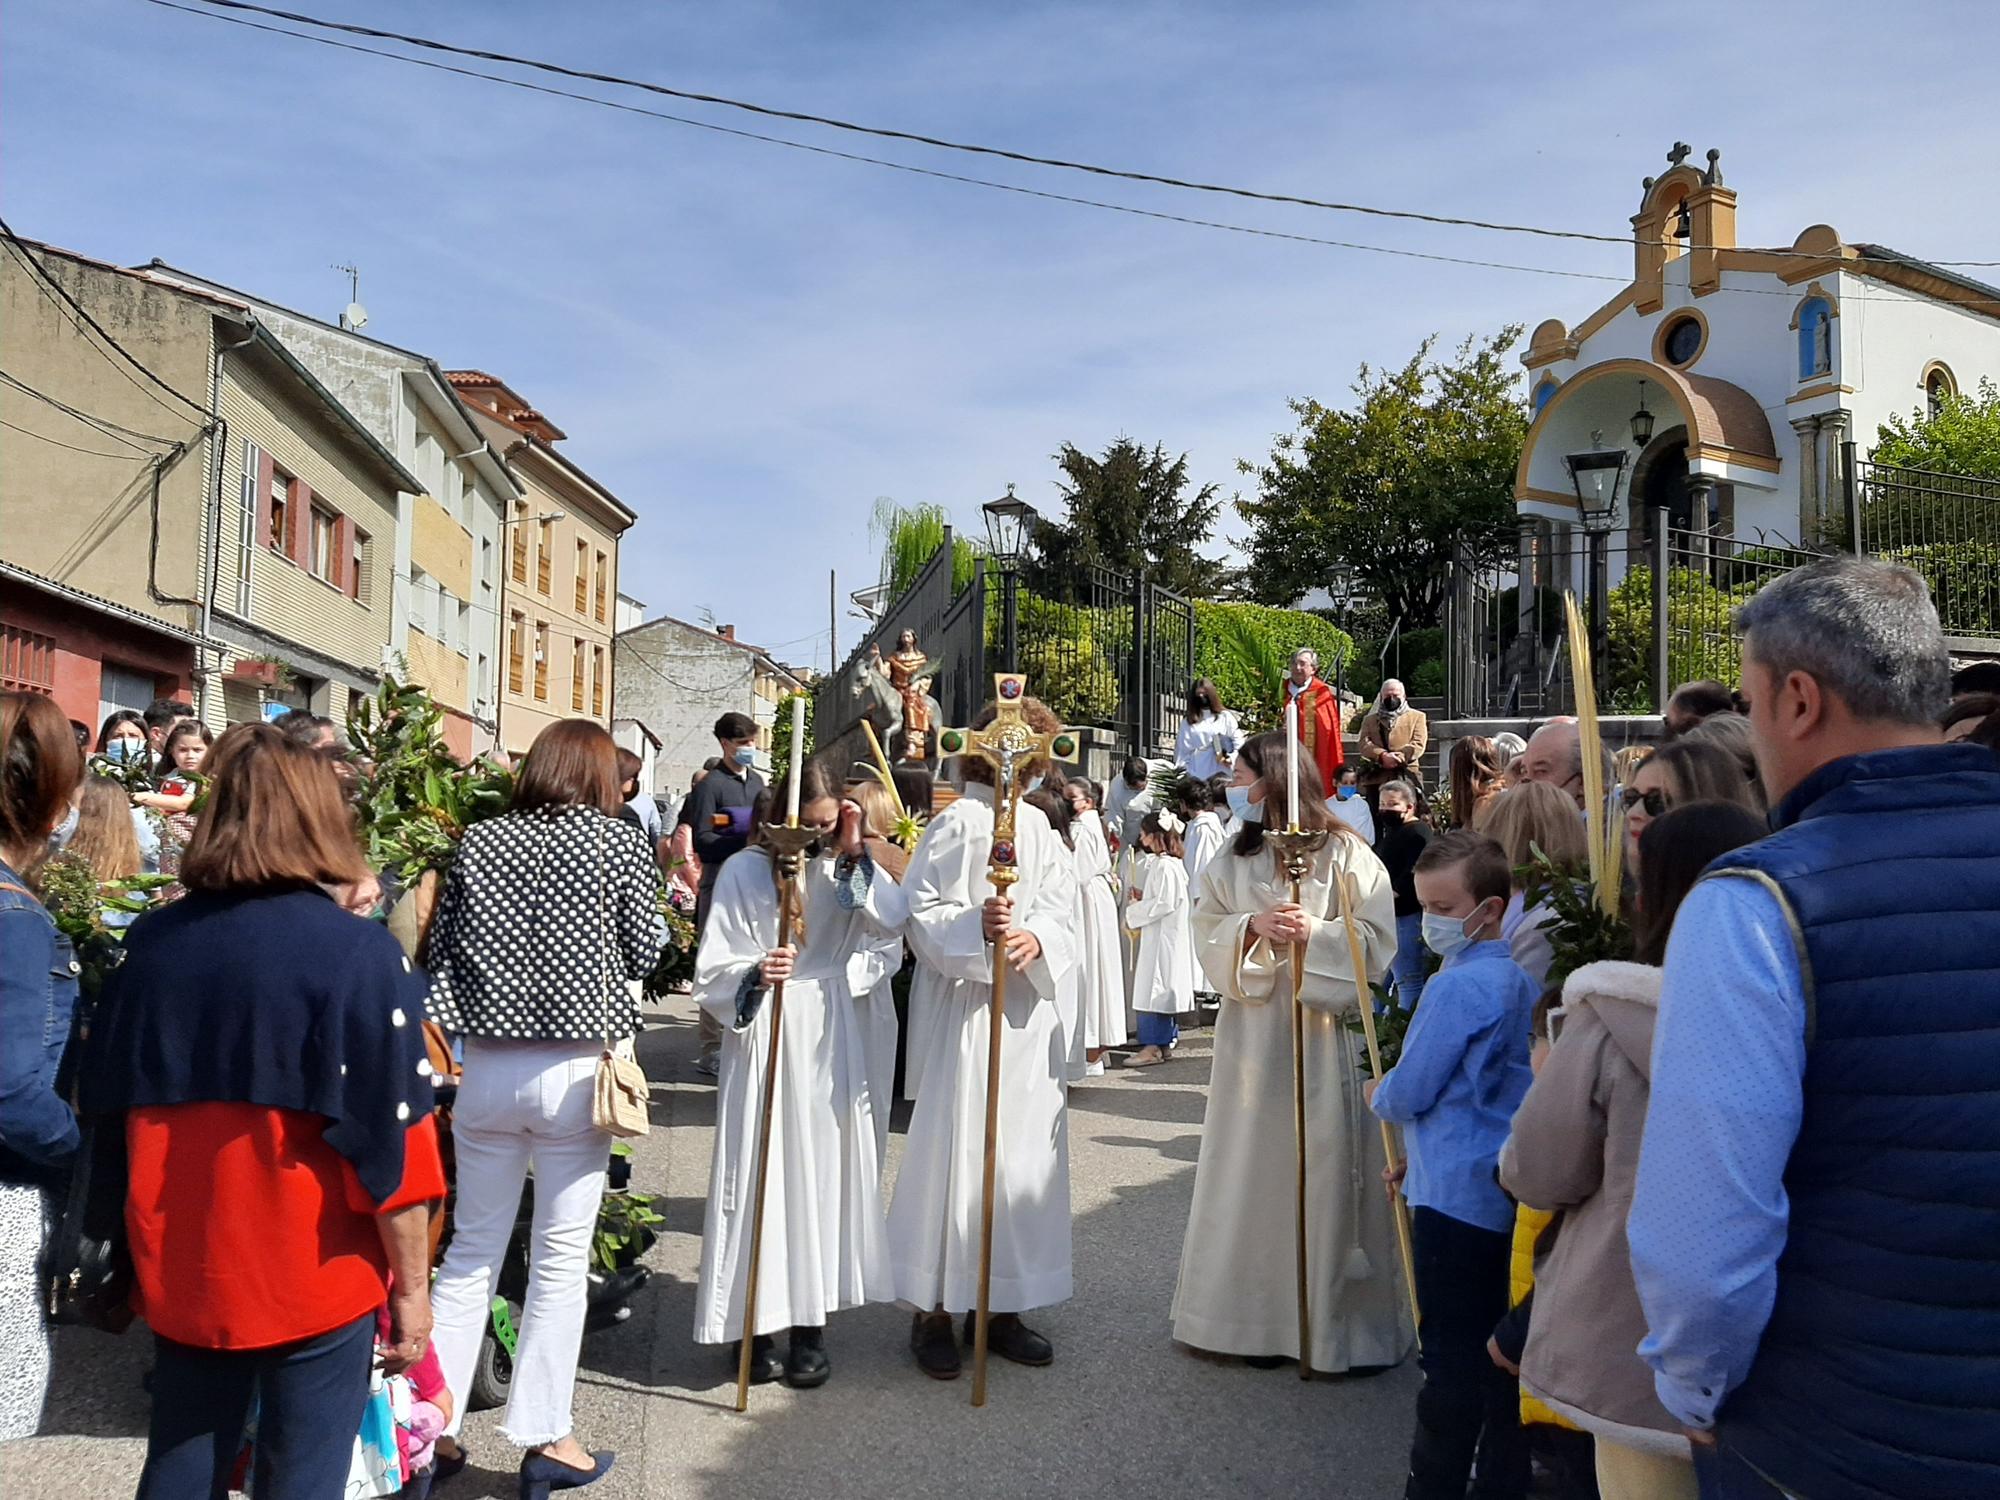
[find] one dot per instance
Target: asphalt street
(1123, 1411)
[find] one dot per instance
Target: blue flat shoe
(541, 1474)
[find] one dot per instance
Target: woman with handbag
(257, 1054)
(40, 767)
(548, 912)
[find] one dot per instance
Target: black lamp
(1642, 421)
(1009, 523)
(1595, 474)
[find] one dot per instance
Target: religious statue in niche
(908, 671)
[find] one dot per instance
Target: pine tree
(1130, 511)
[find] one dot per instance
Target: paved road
(1123, 1411)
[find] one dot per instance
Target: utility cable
(938, 142)
(104, 425)
(42, 437)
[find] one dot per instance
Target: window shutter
(266, 472)
(298, 518)
(346, 576)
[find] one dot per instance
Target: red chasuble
(1319, 730)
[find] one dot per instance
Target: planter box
(263, 673)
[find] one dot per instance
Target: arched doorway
(1660, 479)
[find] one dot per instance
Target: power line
(20, 249)
(104, 425)
(58, 443)
(1015, 188)
(938, 142)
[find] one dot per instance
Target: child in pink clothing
(422, 1405)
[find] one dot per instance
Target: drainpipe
(218, 455)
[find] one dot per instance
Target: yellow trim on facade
(1815, 290)
(1736, 458)
(1937, 367)
(1813, 393)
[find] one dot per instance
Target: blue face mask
(1034, 784)
(744, 755)
(1242, 807)
(124, 751)
(1446, 936)
(1343, 792)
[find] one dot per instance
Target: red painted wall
(86, 639)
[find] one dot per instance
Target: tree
(909, 536)
(1426, 458)
(1962, 437)
(1130, 510)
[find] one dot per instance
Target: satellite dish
(356, 316)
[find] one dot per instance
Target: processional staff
(1296, 847)
(1010, 745)
(788, 847)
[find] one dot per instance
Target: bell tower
(1685, 211)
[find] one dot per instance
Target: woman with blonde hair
(1477, 772)
(1523, 819)
(106, 842)
(1693, 768)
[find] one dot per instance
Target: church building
(1725, 379)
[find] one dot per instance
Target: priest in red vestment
(1319, 714)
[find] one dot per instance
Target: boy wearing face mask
(1463, 1072)
(720, 817)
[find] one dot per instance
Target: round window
(1682, 341)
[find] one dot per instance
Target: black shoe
(931, 1341)
(765, 1366)
(806, 1364)
(1010, 1338)
(1265, 1361)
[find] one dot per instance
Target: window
(323, 552)
(582, 576)
(519, 561)
(1680, 340)
(544, 564)
(422, 614)
(464, 641)
(279, 530)
(253, 464)
(1939, 388)
(517, 645)
(483, 682)
(576, 678)
(602, 575)
(1542, 393)
(358, 586)
(541, 661)
(486, 562)
(597, 682)
(1815, 338)
(27, 660)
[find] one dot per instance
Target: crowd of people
(1693, 1192)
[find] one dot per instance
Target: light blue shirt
(1709, 1213)
(1463, 1072)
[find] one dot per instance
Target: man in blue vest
(1816, 1228)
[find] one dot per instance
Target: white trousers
(522, 1104)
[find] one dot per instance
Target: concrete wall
(84, 518)
(678, 679)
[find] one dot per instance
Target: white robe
(871, 977)
(825, 1240)
(1100, 965)
(1204, 840)
(934, 1221)
(1238, 1291)
(1163, 979)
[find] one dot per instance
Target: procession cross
(1009, 745)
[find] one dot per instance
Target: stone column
(1834, 425)
(1809, 500)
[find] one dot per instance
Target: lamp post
(1595, 474)
(1009, 527)
(1642, 421)
(1340, 588)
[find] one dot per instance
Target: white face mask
(1446, 936)
(1243, 807)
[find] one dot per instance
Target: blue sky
(751, 344)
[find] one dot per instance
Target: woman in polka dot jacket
(548, 914)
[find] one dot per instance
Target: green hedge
(1964, 579)
(1700, 643)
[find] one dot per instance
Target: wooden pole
(1002, 877)
(1390, 1152)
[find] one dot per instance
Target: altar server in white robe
(871, 973)
(1069, 1005)
(1156, 907)
(1238, 1291)
(934, 1222)
(1100, 963)
(825, 1236)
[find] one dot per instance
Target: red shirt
(248, 1230)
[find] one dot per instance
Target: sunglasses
(1655, 801)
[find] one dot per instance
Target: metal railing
(1945, 526)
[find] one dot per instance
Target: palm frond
(1252, 652)
(1604, 838)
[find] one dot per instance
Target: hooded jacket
(1574, 1149)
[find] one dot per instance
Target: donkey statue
(882, 706)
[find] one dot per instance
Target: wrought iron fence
(1946, 526)
(1658, 609)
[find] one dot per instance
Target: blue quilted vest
(1879, 1373)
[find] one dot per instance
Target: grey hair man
(1555, 755)
(1826, 1051)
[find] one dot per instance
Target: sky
(749, 344)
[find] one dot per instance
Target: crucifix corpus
(1010, 746)
(1296, 848)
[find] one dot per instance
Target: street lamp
(1642, 421)
(1009, 524)
(1340, 582)
(1595, 475)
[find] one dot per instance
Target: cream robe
(1238, 1291)
(1163, 978)
(825, 1242)
(1100, 964)
(934, 1220)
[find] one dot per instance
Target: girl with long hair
(1208, 739)
(1100, 969)
(1238, 1283)
(104, 840)
(1476, 777)
(1156, 907)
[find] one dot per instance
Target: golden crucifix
(1011, 746)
